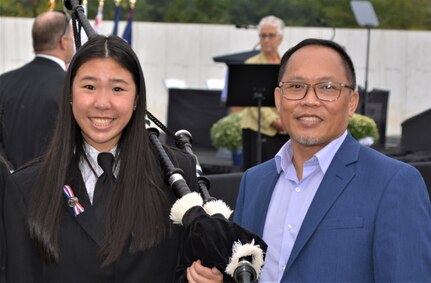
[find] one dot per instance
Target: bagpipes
(209, 234)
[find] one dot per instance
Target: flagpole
(116, 16)
(127, 34)
(51, 5)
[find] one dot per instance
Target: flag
(116, 17)
(99, 17)
(127, 34)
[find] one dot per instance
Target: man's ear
(353, 102)
(63, 42)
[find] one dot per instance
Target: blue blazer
(370, 220)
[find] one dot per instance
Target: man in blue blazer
(330, 209)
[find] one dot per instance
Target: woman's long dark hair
(138, 205)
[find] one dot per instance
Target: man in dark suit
(29, 95)
(4, 172)
(330, 209)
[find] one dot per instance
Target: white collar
(55, 59)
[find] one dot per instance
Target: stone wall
(400, 61)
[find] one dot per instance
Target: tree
(392, 14)
(404, 14)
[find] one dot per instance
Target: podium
(236, 58)
(252, 85)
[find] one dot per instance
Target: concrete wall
(400, 61)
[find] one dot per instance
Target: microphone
(245, 26)
(322, 22)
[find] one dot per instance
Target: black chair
(225, 187)
(414, 136)
(425, 169)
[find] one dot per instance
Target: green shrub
(226, 132)
(361, 126)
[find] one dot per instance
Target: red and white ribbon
(72, 200)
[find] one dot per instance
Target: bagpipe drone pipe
(209, 234)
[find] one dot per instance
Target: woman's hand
(197, 273)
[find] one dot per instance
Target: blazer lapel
(86, 219)
(333, 184)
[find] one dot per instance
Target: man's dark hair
(348, 64)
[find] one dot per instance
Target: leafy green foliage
(361, 126)
(392, 14)
(226, 132)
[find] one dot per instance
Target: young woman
(53, 230)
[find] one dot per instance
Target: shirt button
(289, 226)
(297, 189)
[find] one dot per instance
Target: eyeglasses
(267, 35)
(324, 91)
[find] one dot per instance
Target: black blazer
(29, 100)
(80, 239)
(4, 172)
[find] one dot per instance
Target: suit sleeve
(23, 263)
(2, 151)
(402, 244)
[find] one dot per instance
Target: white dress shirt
(87, 170)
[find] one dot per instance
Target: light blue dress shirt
(289, 204)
